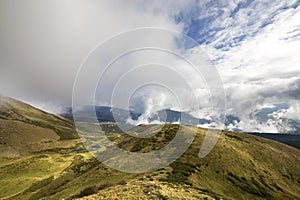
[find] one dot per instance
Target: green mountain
(25, 129)
(42, 158)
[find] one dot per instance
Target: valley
(42, 157)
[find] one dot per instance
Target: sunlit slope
(40, 160)
(24, 128)
(239, 167)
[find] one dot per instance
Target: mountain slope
(289, 139)
(24, 128)
(111, 115)
(240, 166)
(37, 163)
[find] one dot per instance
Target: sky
(253, 45)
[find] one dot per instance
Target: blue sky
(253, 44)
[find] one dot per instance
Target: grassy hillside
(24, 129)
(11, 109)
(37, 162)
(241, 166)
(289, 139)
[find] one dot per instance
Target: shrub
(105, 185)
(181, 172)
(122, 182)
(86, 192)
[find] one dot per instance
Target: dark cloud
(43, 43)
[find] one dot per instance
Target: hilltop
(24, 128)
(42, 158)
(241, 166)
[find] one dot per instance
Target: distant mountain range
(109, 114)
(42, 158)
(289, 139)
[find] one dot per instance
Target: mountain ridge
(240, 166)
(105, 114)
(25, 128)
(111, 114)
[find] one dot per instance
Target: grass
(234, 137)
(39, 184)
(82, 176)
(144, 190)
(180, 173)
(159, 140)
(21, 112)
(239, 167)
(29, 173)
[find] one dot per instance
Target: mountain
(241, 166)
(24, 128)
(109, 114)
(289, 139)
(104, 114)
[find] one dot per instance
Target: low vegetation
(49, 164)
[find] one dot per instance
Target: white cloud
(256, 52)
(254, 46)
(44, 42)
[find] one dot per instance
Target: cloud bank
(254, 45)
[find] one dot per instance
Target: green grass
(81, 177)
(180, 173)
(39, 184)
(159, 140)
(239, 167)
(21, 174)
